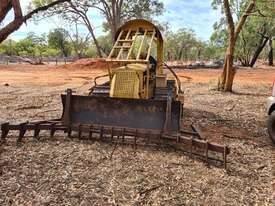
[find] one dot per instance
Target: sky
(197, 15)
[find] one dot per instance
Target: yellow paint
(133, 80)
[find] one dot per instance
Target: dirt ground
(60, 171)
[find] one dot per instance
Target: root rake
(192, 143)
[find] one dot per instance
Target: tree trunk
(225, 82)
(180, 55)
(270, 52)
(90, 28)
(114, 25)
(199, 54)
(258, 51)
(113, 33)
(96, 44)
(94, 39)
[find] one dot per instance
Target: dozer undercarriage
(139, 103)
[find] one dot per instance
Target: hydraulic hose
(175, 75)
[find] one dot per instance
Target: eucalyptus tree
(179, 44)
(116, 12)
(256, 34)
(236, 13)
(59, 39)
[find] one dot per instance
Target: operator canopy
(136, 41)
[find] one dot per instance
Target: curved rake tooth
(135, 139)
(36, 131)
(52, 132)
(112, 133)
(79, 131)
(5, 131)
(69, 132)
(101, 132)
(22, 131)
(91, 132)
(123, 135)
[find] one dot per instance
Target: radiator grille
(125, 84)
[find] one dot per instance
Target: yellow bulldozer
(138, 93)
(140, 101)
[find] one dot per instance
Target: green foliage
(51, 52)
(180, 45)
(184, 45)
(7, 47)
(146, 9)
(31, 46)
(260, 23)
(105, 42)
(25, 47)
(58, 39)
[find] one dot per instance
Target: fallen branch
(25, 59)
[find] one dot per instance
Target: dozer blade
(130, 113)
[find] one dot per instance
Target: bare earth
(60, 171)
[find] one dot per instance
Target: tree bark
(95, 41)
(5, 7)
(270, 53)
(258, 51)
(225, 81)
(112, 12)
(91, 30)
(18, 18)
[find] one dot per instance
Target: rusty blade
(132, 113)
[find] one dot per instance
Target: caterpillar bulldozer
(139, 100)
(138, 93)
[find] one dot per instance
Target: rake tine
(79, 131)
(52, 132)
(112, 134)
(91, 132)
(69, 132)
(36, 131)
(160, 137)
(178, 137)
(135, 139)
(5, 131)
(101, 132)
(22, 132)
(123, 135)
(147, 136)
